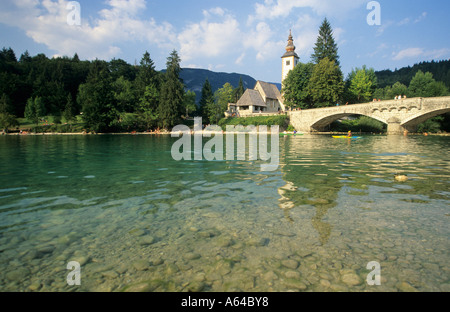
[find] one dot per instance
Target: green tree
(205, 100)
(326, 85)
(239, 91)
(148, 107)
(119, 68)
(34, 109)
(397, 89)
(7, 119)
(424, 85)
(69, 110)
(437, 88)
(124, 94)
(295, 86)
(96, 99)
(189, 102)
(172, 93)
(361, 85)
(325, 45)
(147, 75)
(216, 108)
(5, 104)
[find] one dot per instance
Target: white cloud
(260, 41)
(380, 48)
(240, 59)
(420, 52)
(305, 32)
(407, 53)
(282, 8)
(404, 21)
(407, 20)
(210, 38)
(421, 17)
(46, 23)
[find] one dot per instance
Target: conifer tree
(96, 98)
(325, 45)
(68, 112)
(207, 97)
(239, 91)
(147, 75)
(172, 93)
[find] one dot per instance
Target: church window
(288, 63)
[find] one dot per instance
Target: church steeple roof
(290, 48)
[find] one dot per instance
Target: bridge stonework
(399, 115)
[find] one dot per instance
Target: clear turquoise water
(137, 220)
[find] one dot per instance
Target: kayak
(346, 137)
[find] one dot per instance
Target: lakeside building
(265, 98)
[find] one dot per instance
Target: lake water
(136, 220)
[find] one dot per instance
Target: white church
(265, 98)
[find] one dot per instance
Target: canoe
(346, 137)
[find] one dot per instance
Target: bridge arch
(412, 122)
(322, 123)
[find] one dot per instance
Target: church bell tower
(289, 59)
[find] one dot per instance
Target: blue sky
(245, 37)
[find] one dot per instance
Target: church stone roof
(251, 98)
(270, 90)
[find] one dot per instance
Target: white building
(289, 59)
(265, 98)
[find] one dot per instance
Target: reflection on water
(138, 221)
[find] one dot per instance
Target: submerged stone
(146, 240)
(196, 286)
(290, 263)
(224, 241)
(17, 274)
(406, 287)
(191, 256)
(294, 283)
(141, 265)
(350, 278)
(292, 274)
(140, 287)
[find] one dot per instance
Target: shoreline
(203, 132)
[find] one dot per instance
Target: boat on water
(346, 137)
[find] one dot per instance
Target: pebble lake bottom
(137, 220)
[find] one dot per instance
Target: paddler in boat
(349, 134)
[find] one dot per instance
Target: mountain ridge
(194, 78)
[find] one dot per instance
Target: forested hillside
(194, 79)
(440, 71)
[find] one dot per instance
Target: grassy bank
(50, 124)
(280, 120)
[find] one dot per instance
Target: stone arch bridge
(399, 115)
